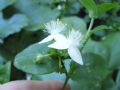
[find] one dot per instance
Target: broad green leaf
(26, 60)
(106, 84)
(90, 75)
(112, 41)
(51, 76)
(46, 1)
(102, 8)
(75, 23)
(74, 7)
(37, 13)
(5, 72)
(5, 3)
(74, 85)
(13, 25)
(91, 6)
(96, 10)
(99, 49)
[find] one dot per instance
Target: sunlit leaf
(113, 43)
(13, 25)
(93, 71)
(102, 8)
(5, 3)
(26, 60)
(37, 13)
(76, 23)
(91, 6)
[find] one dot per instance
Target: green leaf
(13, 25)
(106, 84)
(26, 60)
(5, 73)
(101, 27)
(5, 3)
(51, 76)
(75, 23)
(112, 41)
(102, 8)
(99, 49)
(91, 6)
(97, 10)
(37, 13)
(90, 75)
(45, 1)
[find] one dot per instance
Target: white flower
(72, 43)
(53, 28)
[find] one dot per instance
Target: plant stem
(67, 76)
(88, 33)
(90, 27)
(86, 39)
(64, 68)
(65, 83)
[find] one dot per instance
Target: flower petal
(58, 45)
(60, 38)
(48, 38)
(75, 55)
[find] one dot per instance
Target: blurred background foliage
(21, 27)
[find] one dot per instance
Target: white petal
(58, 45)
(75, 55)
(48, 38)
(60, 38)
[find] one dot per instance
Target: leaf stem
(90, 27)
(67, 76)
(65, 83)
(64, 68)
(88, 33)
(86, 39)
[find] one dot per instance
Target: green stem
(84, 43)
(90, 27)
(67, 76)
(88, 33)
(64, 68)
(65, 83)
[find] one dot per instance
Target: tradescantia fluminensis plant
(76, 41)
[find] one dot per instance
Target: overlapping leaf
(5, 3)
(97, 48)
(13, 25)
(90, 75)
(76, 23)
(26, 60)
(113, 43)
(96, 10)
(37, 13)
